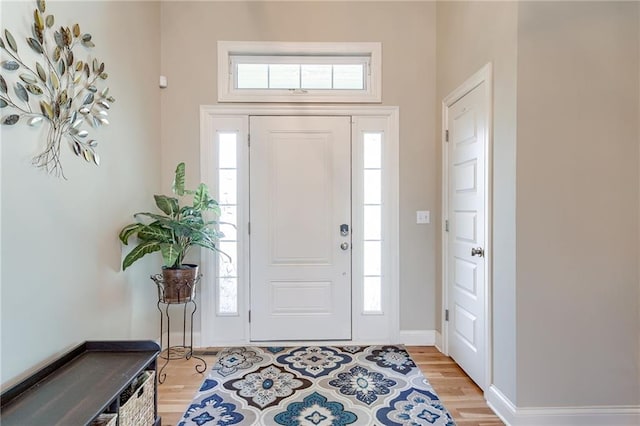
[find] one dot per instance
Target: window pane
(253, 76)
(372, 294)
(316, 76)
(228, 295)
(227, 193)
(372, 186)
(227, 150)
(372, 227)
(226, 267)
(228, 214)
(348, 77)
(372, 150)
(284, 76)
(372, 257)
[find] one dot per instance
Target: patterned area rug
(316, 386)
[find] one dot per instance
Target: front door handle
(478, 251)
(344, 246)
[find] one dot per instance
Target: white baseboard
(439, 341)
(418, 337)
(561, 416)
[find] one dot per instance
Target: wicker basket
(106, 419)
(139, 410)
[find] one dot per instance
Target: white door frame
(483, 75)
(382, 327)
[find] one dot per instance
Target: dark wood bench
(80, 385)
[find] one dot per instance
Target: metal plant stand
(186, 298)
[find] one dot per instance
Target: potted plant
(173, 233)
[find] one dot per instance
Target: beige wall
(470, 35)
(407, 32)
(577, 204)
(60, 260)
(566, 79)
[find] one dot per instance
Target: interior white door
(300, 196)
(467, 124)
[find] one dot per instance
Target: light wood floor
(458, 393)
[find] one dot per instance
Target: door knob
(344, 229)
(479, 251)
(344, 246)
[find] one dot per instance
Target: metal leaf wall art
(59, 89)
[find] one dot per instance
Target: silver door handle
(344, 246)
(479, 251)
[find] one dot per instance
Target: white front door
(467, 122)
(300, 197)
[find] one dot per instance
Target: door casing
(219, 330)
(482, 75)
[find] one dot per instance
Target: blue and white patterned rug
(316, 386)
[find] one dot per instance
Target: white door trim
(234, 329)
(483, 75)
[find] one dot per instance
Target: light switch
(423, 216)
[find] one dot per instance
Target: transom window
(298, 72)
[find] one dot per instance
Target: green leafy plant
(178, 229)
(59, 89)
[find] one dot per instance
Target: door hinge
(249, 228)
(249, 139)
(446, 315)
(249, 315)
(446, 135)
(446, 225)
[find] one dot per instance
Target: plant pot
(179, 283)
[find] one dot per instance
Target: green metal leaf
(3, 103)
(46, 109)
(49, 21)
(57, 36)
(11, 41)
(35, 45)
(37, 18)
(139, 251)
(55, 82)
(170, 254)
(167, 204)
(33, 121)
(10, 120)
(62, 68)
(41, 73)
(66, 36)
(10, 65)
(34, 90)
(3, 85)
(28, 78)
(37, 33)
(178, 181)
(21, 92)
(42, 5)
(76, 30)
(88, 99)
